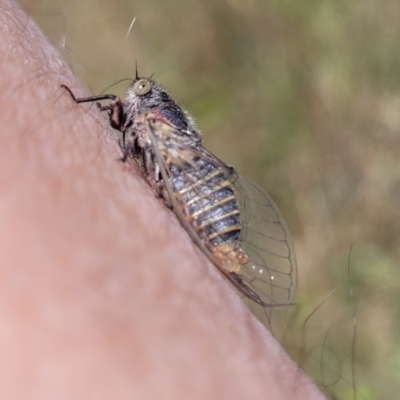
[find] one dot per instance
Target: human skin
(102, 293)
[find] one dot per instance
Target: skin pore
(102, 292)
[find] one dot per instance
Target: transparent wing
(265, 237)
(269, 275)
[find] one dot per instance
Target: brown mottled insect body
(234, 222)
(202, 187)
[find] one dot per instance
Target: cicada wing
(171, 153)
(269, 277)
(265, 237)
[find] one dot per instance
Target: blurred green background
(303, 97)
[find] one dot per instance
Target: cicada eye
(142, 87)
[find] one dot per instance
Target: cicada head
(144, 96)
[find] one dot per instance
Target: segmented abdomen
(208, 200)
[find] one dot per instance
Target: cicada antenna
(136, 70)
(123, 47)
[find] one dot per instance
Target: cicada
(234, 222)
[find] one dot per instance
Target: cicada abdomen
(206, 196)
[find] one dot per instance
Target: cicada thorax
(205, 194)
